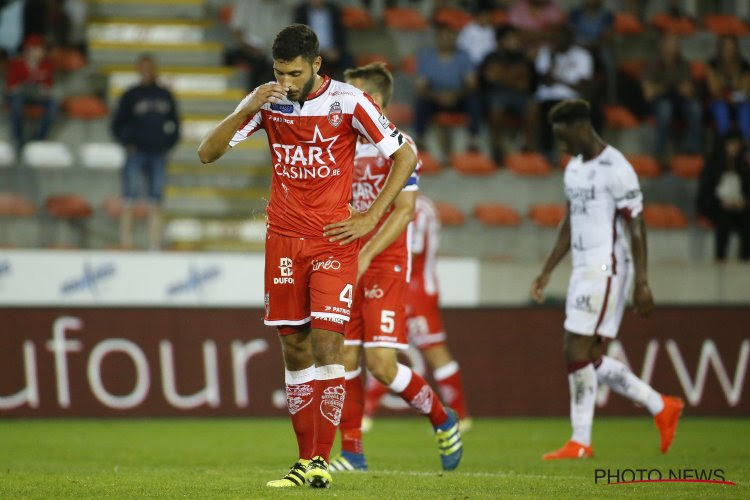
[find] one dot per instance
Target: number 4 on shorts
(346, 295)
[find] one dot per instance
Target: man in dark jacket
(325, 18)
(148, 126)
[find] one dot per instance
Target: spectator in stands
(254, 25)
(325, 19)
(478, 37)
(593, 24)
(29, 81)
(729, 85)
(446, 82)
(724, 194)
(668, 88)
(507, 80)
(564, 71)
(536, 19)
(147, 124)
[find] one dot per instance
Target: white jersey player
(604, 198)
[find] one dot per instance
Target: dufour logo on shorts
(326, 265)
(332, 402)
(374, 293)
(286, 271)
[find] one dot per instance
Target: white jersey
(600, 193)
(425, 236)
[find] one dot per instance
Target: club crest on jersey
(335, 114)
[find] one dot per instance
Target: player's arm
(642, 297)
(361, 223)
(394, 225)
(216, 143)
(560, 250)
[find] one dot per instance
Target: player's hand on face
(357, 225)
(643, 299)
(268, 92)
(538, 286)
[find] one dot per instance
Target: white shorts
(596, 302)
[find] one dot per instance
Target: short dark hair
(296, 40)
(570, 111)
(377, 78)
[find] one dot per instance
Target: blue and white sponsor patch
(283, 108)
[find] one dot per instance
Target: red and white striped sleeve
(249, 126)
(372, 124)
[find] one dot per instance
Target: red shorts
(424, 325)
(309, 281)
(379, 314)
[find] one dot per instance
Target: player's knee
(383, 368)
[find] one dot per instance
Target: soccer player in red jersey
(378, 310)
(313, 124)
(423, 322)
(604, 198)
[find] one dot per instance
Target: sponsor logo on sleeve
(383, 121)
(282, 108)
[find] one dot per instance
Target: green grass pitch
(228, 458)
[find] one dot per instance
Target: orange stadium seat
(453, 18)
(16, 205)
(528, 164)
(645, 165)
(698, 71)
(496, 214)
(547, 214)
(447, 119)
(356, 18)
(627, 24)
(633, 68)
(430, 165)
(562, 161)
(363, 59)
(449, 214)
(664, 216)
(473, 163)
(409, 64)
(400, 113)
(85, 107)
(725, 24)
(67, 206)
(226, 13)
(67, 59)
(113, 208)
(619, 117)
(687, 166)
(399, 18)
(499, 17)
(671, 24)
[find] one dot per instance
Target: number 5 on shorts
(346, 295)
(387, 321)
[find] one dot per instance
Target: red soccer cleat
(666, 420)
(571, 449)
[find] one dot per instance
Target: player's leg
(374, 392)
(414, 390)
(447, 374)
(331, 288)
(352, 455)
(665, 409)
(287, 308)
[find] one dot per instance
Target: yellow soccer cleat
(317, 473)
(295, 476)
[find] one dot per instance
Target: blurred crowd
(498, 74)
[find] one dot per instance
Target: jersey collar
(323, 87)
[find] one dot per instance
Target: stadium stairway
(206, 206)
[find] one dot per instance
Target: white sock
(623, 381)
(582, 384)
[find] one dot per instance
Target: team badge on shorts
(335, 114)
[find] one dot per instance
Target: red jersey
(425, 234)
(20, 73)
(312, 148)
(371, 169)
